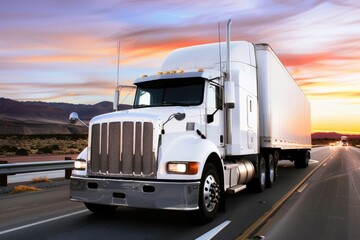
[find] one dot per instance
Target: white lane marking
(312, 161)
(210, 234)
(41, 222)
(302, 188)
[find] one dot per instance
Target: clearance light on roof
(200, 70)
(144, 76)
(168, 72)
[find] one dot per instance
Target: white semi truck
(344, 141)
(199, 128)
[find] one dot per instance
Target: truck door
(215, 117)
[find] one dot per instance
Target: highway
(49, 214)
(326, 206)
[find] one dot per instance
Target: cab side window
(213, 98)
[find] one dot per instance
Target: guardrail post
(67, 171)
(3, 178)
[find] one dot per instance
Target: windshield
(170, 92)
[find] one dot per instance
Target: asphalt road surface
(48, 214)
(326, 206)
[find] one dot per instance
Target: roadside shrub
(47, 149)
(41, 179)
(24, 188)
(55, 147)
(22, 152)
(8, 149)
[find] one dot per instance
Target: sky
(66, 51)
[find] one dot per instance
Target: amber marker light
(193, 168)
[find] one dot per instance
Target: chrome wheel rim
(211, 193)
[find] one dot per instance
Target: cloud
(66, 50)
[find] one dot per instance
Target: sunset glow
(65, 51)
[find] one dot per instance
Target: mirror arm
(210, 117)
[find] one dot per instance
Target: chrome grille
(122, 149)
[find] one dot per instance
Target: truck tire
(209, 196)
(258, 183)
(270, 170)
(276, 161)
(99, 208)
(302, 159)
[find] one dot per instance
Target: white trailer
(284, 109)
(201, 127)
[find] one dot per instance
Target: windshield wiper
(175, 104)
(141, 106)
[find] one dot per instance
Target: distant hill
(333, 135)
(47, 118)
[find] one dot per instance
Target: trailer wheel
(258, 183)
(270, 170)
(276, 161)
(302, 159)
(209, 196)
(99, 208)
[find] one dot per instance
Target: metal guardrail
(17, 168)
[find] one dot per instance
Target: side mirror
(73, 118)
(210, 118)
(180, 114)
(229, 93)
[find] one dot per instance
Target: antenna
(118, 64)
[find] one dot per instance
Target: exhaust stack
(229, 90)
(228, 64)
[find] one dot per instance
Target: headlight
(183, 167)
(80, 164)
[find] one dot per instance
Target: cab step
(236, 188)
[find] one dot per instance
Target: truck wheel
(270, 170)
(258, 183)
(209, 196)
(99, 208)
(302, 159)
(276, 161)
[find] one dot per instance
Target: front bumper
(135, 193)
